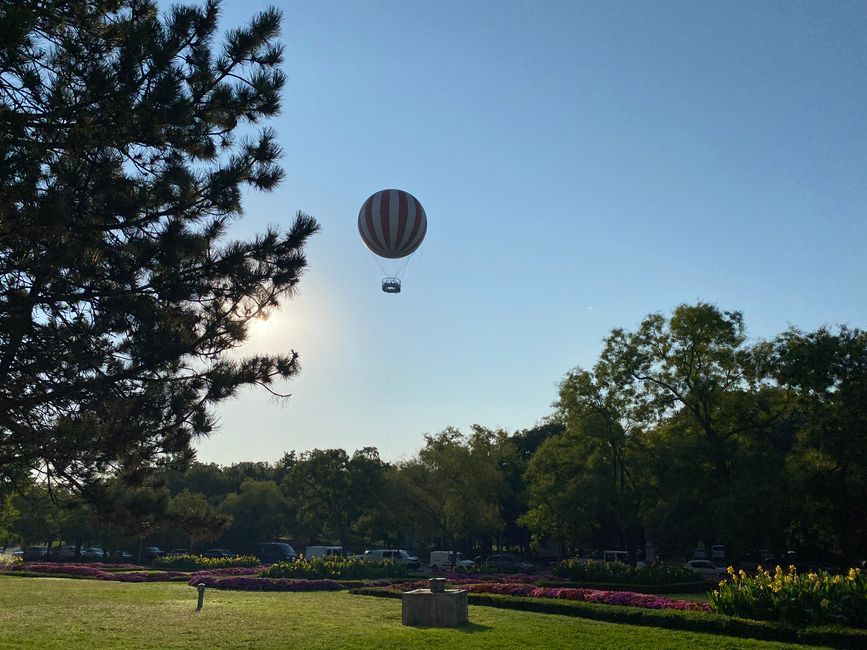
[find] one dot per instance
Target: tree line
(683, 431)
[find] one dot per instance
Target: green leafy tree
(258, 511)
(828, 372)
(201, 521)
(127, 139)
(328, 491)
(453, 486)
(8, 516)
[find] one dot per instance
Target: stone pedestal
(424, 608)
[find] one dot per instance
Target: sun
(258, 328)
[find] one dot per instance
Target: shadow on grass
(472, 628)
(466, 628)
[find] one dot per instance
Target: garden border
(677, 588)
(838, 637)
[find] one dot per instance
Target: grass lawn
(64, 613)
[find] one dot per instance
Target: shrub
(253, 583)
(795, 598)
(94, 573)
(696, 587)
(657, 573)
(335, 568)
(9, 562)
(197, 562)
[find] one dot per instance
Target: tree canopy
(127, 139)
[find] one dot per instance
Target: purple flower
(627, 598)
(250, 583)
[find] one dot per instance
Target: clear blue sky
(581, 165)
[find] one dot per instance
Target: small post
(437, 585)
(201, 588)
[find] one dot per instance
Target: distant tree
(126, 142)
(828, 372)
(201, 521)
(258, 511)
(328, 491)
(580, 481)
(39, 519)
(8, 516)
(453, 486)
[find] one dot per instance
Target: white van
(324, 551)
(443, 560)
(395, 555)
(615, 556)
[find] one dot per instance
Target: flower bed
(254, 583)
(230, 571)
(627, 598)
(9, 561)
(197, 562)
(335, 568)
(795, 598)
(94, 573)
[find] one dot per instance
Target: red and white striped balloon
(392, 223)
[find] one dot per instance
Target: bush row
(335, 568)
(657, 573)
(86, 571)
(695, 587)
(196, 562)
(834, 636)
(255, 583)
(628, 598)
(795, 598)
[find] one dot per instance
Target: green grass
(62, 613)
(702, 598)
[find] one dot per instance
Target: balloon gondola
(392, 224)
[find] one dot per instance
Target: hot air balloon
(392, 224)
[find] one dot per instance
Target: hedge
(682, 588)
(838, 637)
(201, 563)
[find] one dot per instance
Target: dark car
(120, 556)
(271, 552)
(150, 553)
(218, 552)
(35, 553)
(509, 563)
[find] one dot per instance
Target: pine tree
(127, 137)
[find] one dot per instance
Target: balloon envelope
(392, 223)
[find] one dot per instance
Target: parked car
(324, 551)
(35, 553)
(218, 552)
(718, 552)
(150, 553)
(120, 556)
(508, 563)
(178, 551)
(62, 553)
(615, 556)
(271, 552)
(396, 555)
(699, 553)
(707, 569)
(92, 554)
(443, 560)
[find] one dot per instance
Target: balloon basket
(391, 285)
